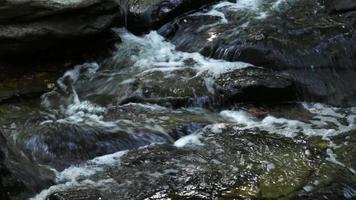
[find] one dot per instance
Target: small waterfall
(156, 103)
(124, 11)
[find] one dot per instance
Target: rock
(256, 85)
(64, 142)
(144, 15)
(347, 150)
(180, 89)
(341, 5)
(309, 41)
(77, 195)
(29, 85)
(60, 145)
(331, 86)
(232, 159)
(184, 88)
(19, 177)
(300, 38)
(230, 165)
(29, 27)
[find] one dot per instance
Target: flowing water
(149, 95)
(93, 95)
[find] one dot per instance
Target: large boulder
(58, 26)
(229, 163)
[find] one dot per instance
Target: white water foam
(258, 9)
(192, 139)
(319, 125)
(80, 175)
(153, 53)
(73, 109)
(80, 72)
(326, 123)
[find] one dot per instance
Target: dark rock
(341, 5)
(32, 84)
(332, 86)
(19, 177)
(184, 88)
(297, 36)
(144, 15)
(39, 40)
(230, 165)
(61, 145)
(29, 27)
(254, 84)
(180, 89)
(76, 195)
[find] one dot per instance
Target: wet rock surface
(286, 35)
(144, 15)
(212, 110)
(231, 164)
(76, 195)
(27, 85)
(54, 25)
(249, 85)
(341, 6)
(19, 177)
(255, 85)
(70, 140)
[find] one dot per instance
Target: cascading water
(145, 123)
(136, 59)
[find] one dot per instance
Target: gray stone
(31, 26)
(341, 5)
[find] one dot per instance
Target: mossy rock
(27, 85)
(346, 152)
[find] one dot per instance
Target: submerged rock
(70, 140)
(19, 177)
(185, 87)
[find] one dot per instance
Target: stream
(157, 121)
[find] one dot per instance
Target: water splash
(63, 105)
(254, 9)
(80, 175)
(153, 53)
(325, 123)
